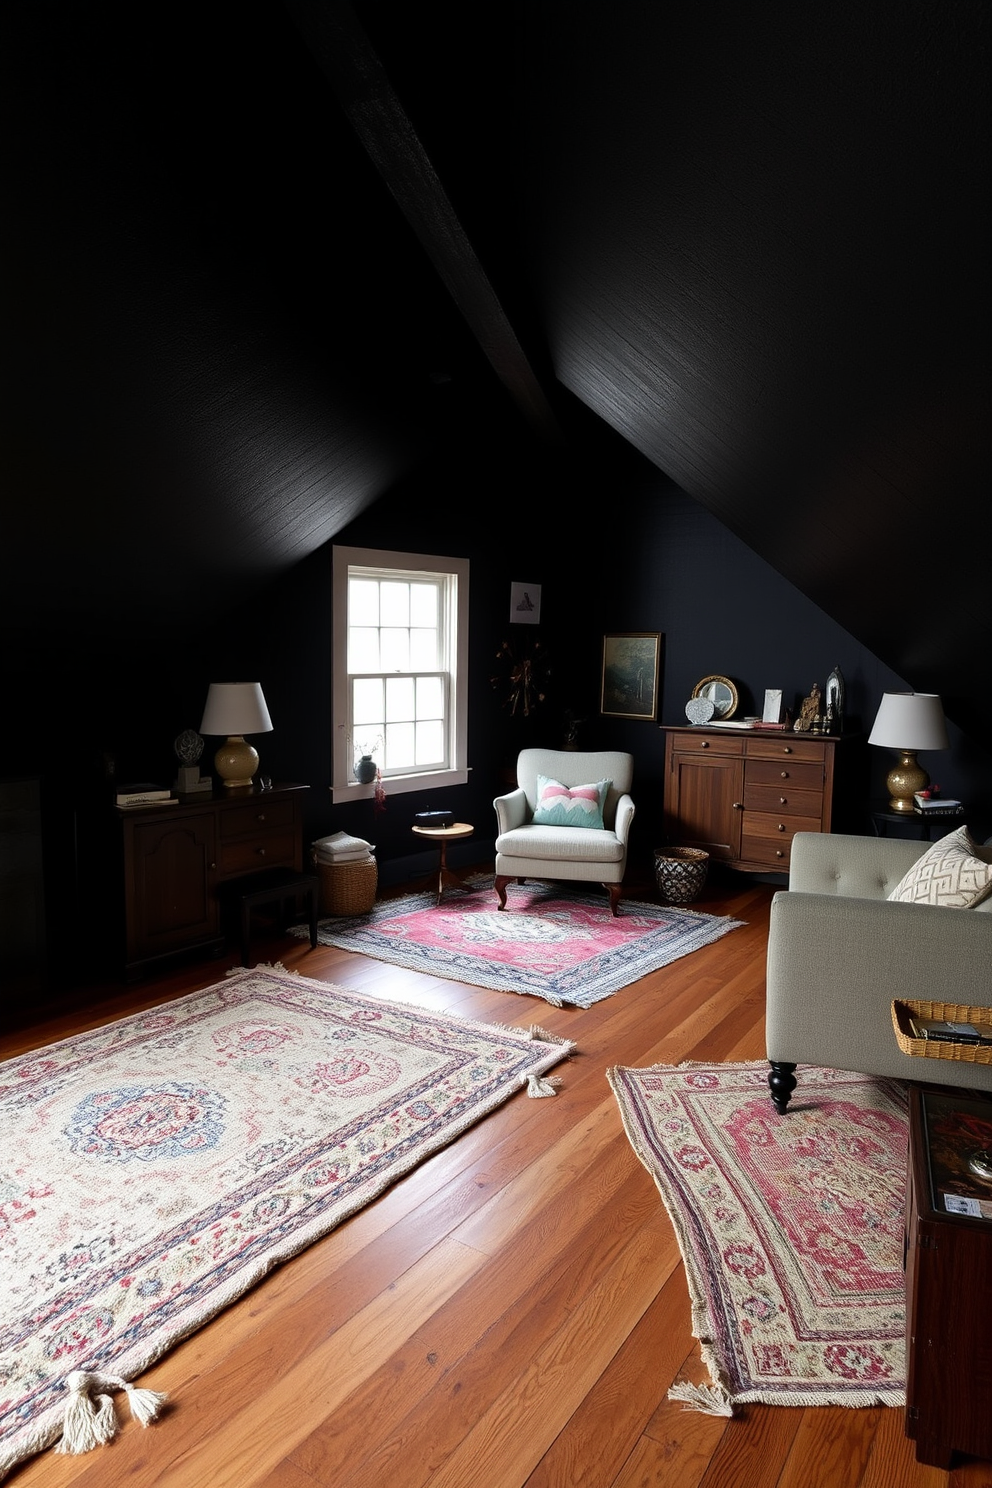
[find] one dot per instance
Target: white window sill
(399, 785)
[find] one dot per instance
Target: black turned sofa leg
(781, 1083)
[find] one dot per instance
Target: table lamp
(906, 722)
(235, 709)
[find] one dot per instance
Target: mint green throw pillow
(570, 806)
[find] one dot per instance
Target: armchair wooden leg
(500, 886)
(781, 1083)
(613, 890)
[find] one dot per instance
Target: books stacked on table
(936, 805)
(942, 1032)
(144, 795)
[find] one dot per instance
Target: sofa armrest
(836, 964)
(624, 818)
(850, 867)
(511, 811)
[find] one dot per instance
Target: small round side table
(442, 836)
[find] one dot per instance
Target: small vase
(365, 770)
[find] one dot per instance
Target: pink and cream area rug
(154, 1169)
(790, 1227)
(549, 942)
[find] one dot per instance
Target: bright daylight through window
(400, 669)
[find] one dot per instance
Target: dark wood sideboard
(175, 858)
(741, 795)
(948, 1276)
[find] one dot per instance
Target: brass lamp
(235, 709)
(906, 722)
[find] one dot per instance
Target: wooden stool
(273, 886)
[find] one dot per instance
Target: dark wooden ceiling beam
(347, 58)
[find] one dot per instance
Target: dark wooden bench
(282, 888)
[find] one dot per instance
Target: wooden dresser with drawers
(741, 794)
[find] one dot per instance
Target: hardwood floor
(513, 1311)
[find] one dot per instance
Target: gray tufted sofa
(839, 953)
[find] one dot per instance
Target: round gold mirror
(721, 692)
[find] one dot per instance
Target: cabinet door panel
(173, 904)
(706, 800)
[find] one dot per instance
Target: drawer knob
(738, 805)
(213, 867)
(783, 801)
(781, 826)
(779, 853)
(785, 774)
(260, 816)
(787, 749)
(705, 744)
(261, 852)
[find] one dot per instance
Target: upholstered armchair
(840, 950)
(550, 847)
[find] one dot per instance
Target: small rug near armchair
(791, 1227)
(549, 942)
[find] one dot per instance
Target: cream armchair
(581, 854)
(839, 952)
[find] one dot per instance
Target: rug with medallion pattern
(153, 1169)
(550, 941)
(790, 1227)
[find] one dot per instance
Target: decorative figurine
(188, 748)
(835, 701)
(809, 712)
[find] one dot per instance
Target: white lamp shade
(910, 720)
(235, 708)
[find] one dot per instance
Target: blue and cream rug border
(551, 941)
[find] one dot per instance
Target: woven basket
(680, 873)
(949, 1012)
(347, 888)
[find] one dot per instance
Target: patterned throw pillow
(569, 806)
(954, 873)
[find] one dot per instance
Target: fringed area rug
(549, 942)
(790, 1227)
(154, 1169)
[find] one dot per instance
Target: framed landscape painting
(631, 662)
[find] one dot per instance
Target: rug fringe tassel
(90, 1418)
(535, 1031)
(233, 971)
(712, 1400)
(541, 1085)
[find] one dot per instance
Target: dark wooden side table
(927, 827)
(949, 1275)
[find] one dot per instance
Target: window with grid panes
(400, 653)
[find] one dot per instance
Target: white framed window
(400, 657)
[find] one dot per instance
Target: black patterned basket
(680, 873)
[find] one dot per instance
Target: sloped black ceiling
(751, 238)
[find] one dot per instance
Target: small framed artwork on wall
(525, 604)
(631, 663)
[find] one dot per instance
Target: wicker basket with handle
(347, 888)
(947, 1012)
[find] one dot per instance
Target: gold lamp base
(904, 780)
(236, 762)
